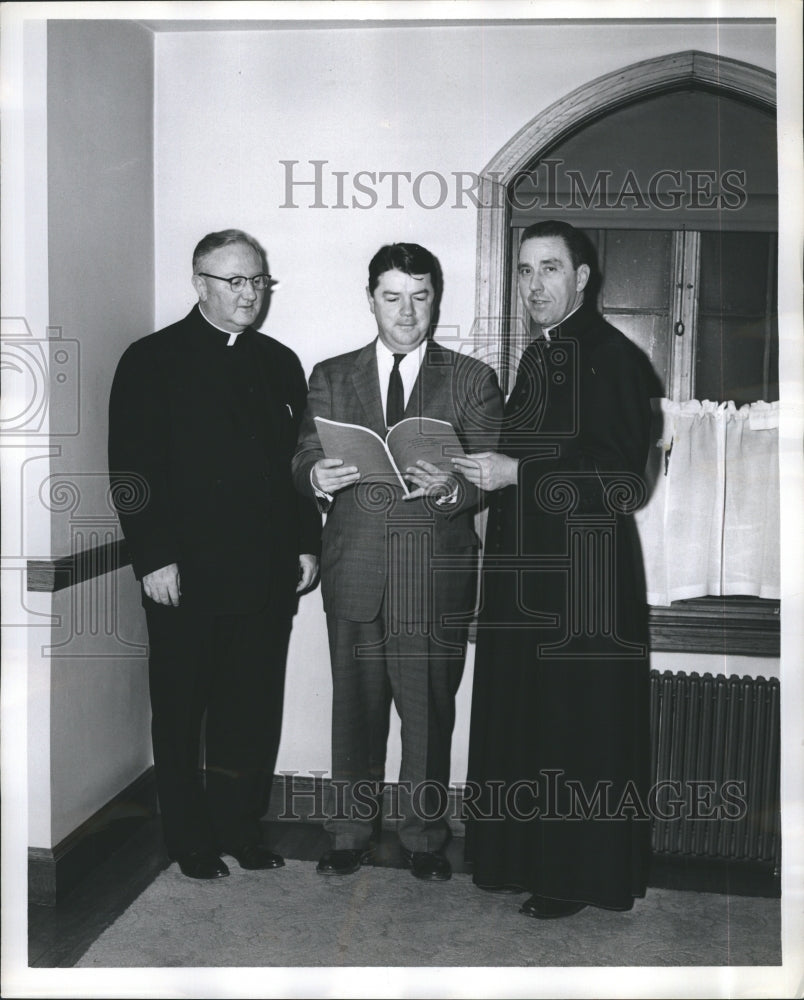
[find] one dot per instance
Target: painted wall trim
(741, 626)
(58, 573)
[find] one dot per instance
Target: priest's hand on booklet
(431, 481)
(488, 470)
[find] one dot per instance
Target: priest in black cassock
(556, 796)
(202, 427)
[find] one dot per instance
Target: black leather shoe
(432, 866)
(257, 857)
(550, 909)
(202, 864)
(509, 890)
(342, 861)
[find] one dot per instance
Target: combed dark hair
(576, 242)
(225, 238)
(409, 258)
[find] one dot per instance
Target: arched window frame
(712, 625)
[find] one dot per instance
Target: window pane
(734, 273)
(730, 361)
(636, 292)
(737, 349)
(637, 270)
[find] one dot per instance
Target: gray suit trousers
(418, 667)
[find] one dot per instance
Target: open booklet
(411, 439)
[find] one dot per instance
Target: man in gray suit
(398, 574)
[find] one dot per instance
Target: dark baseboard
(732, 877)
(52, 872)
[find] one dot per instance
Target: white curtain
(711, 525)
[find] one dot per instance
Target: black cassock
(201, 436)
(559, 756)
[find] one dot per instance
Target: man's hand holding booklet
(411, 441)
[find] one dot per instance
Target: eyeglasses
(259, 282)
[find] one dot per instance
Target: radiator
(722, 731)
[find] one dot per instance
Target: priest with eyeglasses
(203, 421)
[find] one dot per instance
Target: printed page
(360, 446)
(425, 438)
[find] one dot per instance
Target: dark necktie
(395, 404)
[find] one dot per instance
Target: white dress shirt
(408, 369)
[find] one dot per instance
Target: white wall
(726, 663)
(100, 735)
(26, 674)
(231, 105)
(100, 232)
(99, 157)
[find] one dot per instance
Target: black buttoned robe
(201, 435)
(556, 799)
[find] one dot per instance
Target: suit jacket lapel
(366, 383)
(430, 382)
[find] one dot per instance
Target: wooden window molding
(588, 102)
(748, 626)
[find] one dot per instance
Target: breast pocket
(287, 424)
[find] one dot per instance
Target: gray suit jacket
(373, 539)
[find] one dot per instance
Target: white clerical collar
(232, 336)
(547, 329)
